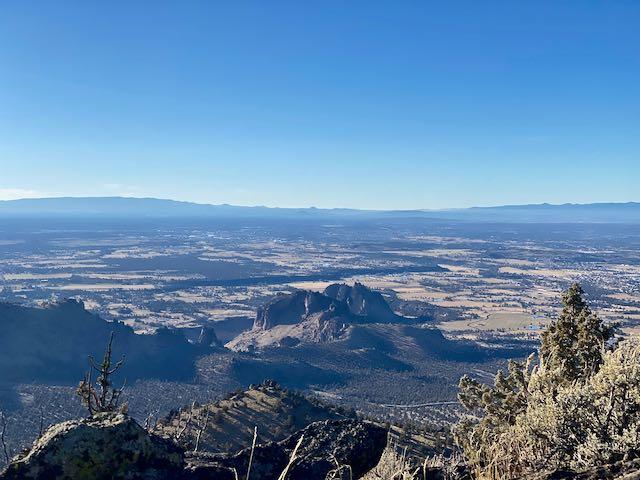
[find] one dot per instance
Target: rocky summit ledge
(114, 446)
(100, 447)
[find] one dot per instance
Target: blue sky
(333, 104)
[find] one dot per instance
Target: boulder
(106, 446)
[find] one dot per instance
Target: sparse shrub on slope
(586, 424)
(498, 409)
(575, 407)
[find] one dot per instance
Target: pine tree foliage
(497, 408)
(573, 344)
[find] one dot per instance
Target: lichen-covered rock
(106, 446)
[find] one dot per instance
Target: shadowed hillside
(51, 345)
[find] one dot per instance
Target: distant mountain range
(123, 207)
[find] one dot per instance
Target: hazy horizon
(177, 200)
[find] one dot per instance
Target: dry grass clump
(395, 464)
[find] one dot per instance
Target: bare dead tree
(152, 420)
(3, 441)
(292, 459)
(253, 448)
(201, 430)
(41, 429)
(105, 398)
(180, 431)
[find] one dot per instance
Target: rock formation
(227, 425)
(313, 317)
(104, 446)
(208, 338)
(290, 309)
(359, 303)
(362, 301)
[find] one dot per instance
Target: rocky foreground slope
(114, 446)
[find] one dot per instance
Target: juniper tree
(104, 398)
(572, 351)
(574, 344)
(588, 423)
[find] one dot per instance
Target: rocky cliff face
(290, 309)
(50, 345)
(313, 317)
(208, 338)
(363, 302)
(359, 303)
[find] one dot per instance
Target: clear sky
(371, 104)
